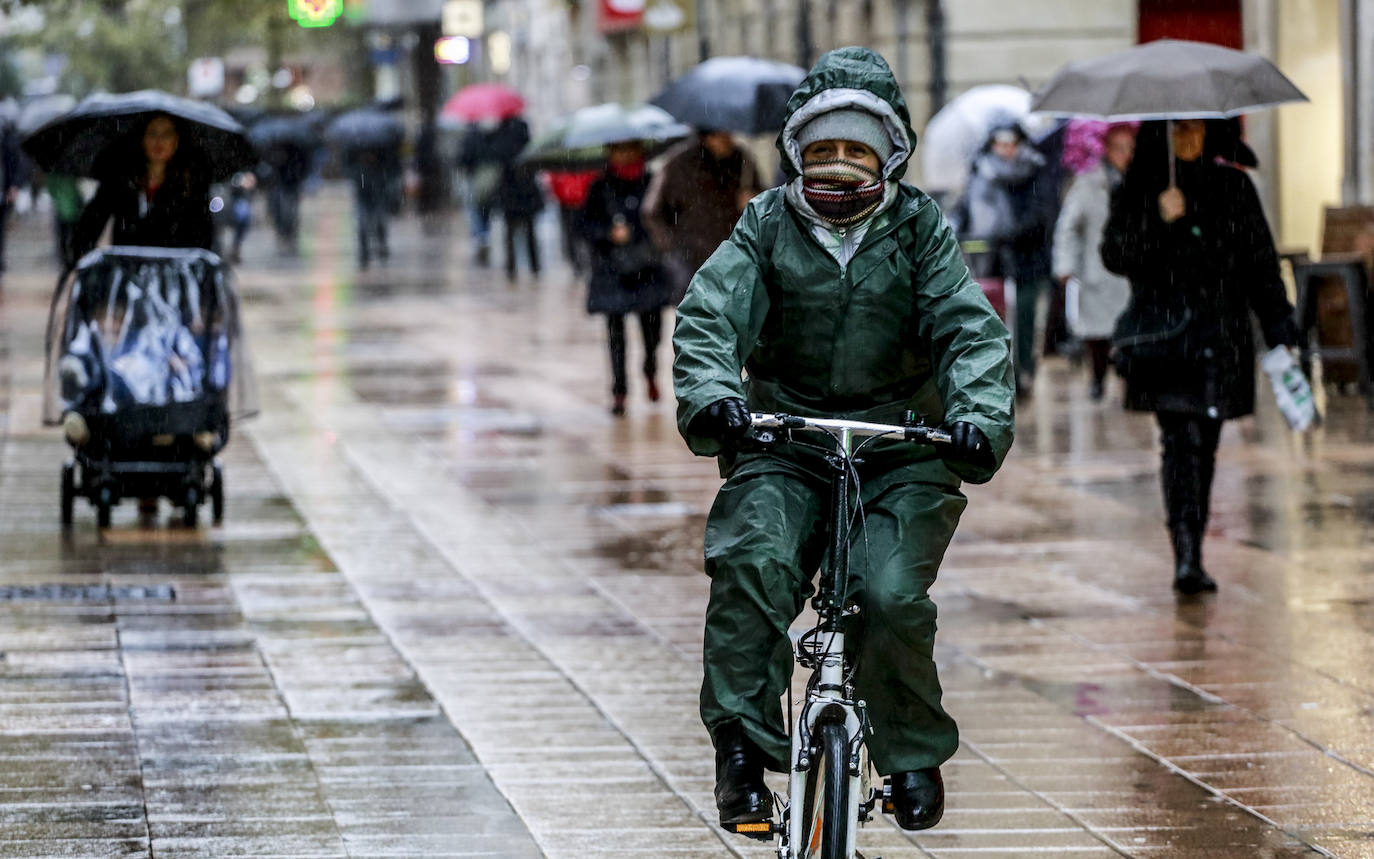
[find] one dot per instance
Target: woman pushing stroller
(144, 349)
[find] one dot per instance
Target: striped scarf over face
(841, 191)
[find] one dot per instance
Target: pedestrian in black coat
(376, 175)
(520, 199)
(627, 273)
(1200, 259)
(155, 192)
(10, 177)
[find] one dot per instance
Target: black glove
(726, 421)
(970, 446)
(1285, 333)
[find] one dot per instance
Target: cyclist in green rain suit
(841, 294)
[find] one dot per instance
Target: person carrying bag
(1200, 260)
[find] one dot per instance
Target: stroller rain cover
(137, 327)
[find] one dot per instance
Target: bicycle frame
(830, 697)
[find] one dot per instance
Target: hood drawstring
(841, 191)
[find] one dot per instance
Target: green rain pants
(765, 537)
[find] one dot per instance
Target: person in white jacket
(1095, 296)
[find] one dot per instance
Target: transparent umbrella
(580, 139)
(960, 128)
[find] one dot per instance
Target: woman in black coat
(1200, 259)
(153, 190)
(626, 274)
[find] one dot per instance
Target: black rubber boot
(918, 798)
(1186, 469)
(741, 794)
(1189, 577)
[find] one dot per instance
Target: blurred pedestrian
(10, 178)
(520, 199)
(1007, 205)
(481, 163)
(569, 188)
(696, 199)
(154, 192)
(626, 273)
(64, 190)
(1097, 296)
(376, 175)
(433, 192)
(241, 188)
(288, 166)
(1193, 241)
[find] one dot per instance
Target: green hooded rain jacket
(774, 317)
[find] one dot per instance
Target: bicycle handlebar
(919, 433)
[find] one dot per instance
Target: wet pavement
(455, 607)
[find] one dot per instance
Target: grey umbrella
(744, 94)
(1166, 79)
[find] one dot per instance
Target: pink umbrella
(484, 101)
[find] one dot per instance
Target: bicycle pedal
(760, 831)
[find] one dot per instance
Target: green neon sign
(315, 13)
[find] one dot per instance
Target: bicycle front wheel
(825, 819)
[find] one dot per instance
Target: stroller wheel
(68, 492)
(188, 514)
(217, 493)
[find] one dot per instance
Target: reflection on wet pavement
(439, 540)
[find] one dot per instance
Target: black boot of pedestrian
(918, 798)
(741, 794)
(1189, 577)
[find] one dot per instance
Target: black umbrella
(743, 94)
(81, 141)
(274, 131)
(364, 128)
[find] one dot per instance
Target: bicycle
(830, 792)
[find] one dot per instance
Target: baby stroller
(145, 370)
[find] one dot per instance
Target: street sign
(462, 18)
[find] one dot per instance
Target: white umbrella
(955, 134)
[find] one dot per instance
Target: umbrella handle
(1169, 141)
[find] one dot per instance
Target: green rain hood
(774, 318)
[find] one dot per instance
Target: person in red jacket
(569, 188)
